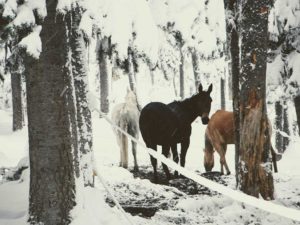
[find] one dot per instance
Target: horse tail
(124, 146)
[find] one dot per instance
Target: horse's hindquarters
(156, 124)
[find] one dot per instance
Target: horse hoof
(135, 169)
(176, 174)
(228, 173)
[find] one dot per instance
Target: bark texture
(16, 87)
(80, 73)
(16, 68)
(105, 73)
(255, 163)
(52, 129)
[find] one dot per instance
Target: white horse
(126, 116)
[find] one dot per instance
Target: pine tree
(255, 167)
(52, 126)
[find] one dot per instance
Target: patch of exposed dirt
(183, 184)
(147, 207)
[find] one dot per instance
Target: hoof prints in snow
(146, 205)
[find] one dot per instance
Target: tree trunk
(286, 130)
(52, 130)
(105, 73)
(131, 72)
(278, 125)
(223, 103)
(297, 107)
(80, 73)
(16, 87)
(196, 69)
(181, 75)
(282, 126)
(255, 163)
(234, 51)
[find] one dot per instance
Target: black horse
(167, 125)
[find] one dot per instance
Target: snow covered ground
(180, 208)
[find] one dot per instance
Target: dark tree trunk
(255, 163)
(16, 87)
(105, 73)
(286, 128)
(297, 107)
(80, 73)
(53, 150)
(278, 125)
(234, 54)
(196, 69)
(223, 103)
(181, 75)
(282, 126)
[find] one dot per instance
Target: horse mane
(187, 105)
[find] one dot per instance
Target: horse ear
(200, 88)
(209, 89)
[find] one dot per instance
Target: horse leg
(224, 159)
(175, 156)
(153, 161)
(123, 151)
(136, 167)
(165, 152)
(184, 147)
(222, 150)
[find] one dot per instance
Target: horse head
(208, 159)
(203, 103)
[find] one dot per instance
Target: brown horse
(218, 134)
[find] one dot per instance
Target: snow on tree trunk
(80, 73)
(255, 164)
(53, 150)
(297, 107)
(196, 69)
(105, 73)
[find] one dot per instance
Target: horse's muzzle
(208, 167)
(205, 120)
